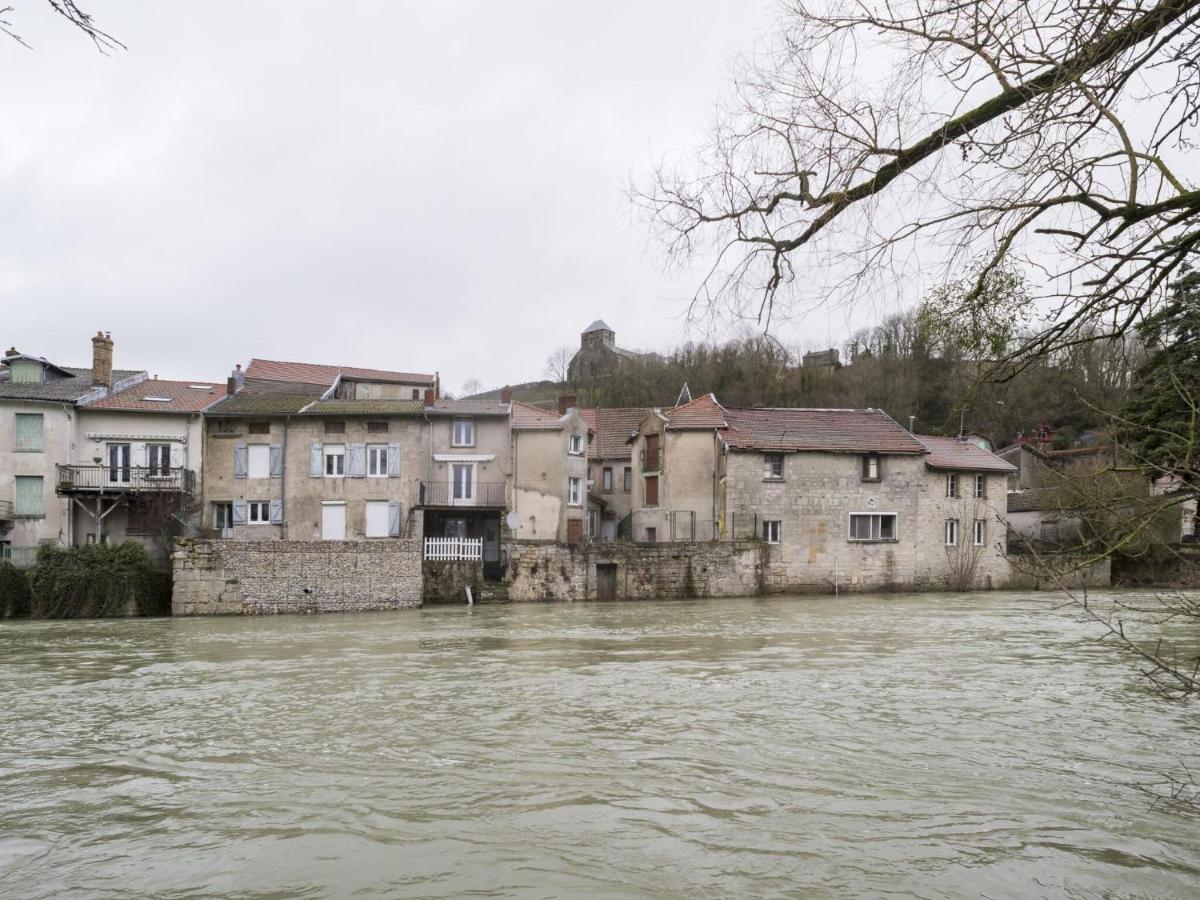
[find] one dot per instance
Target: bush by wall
(97, 581)
(14, 591)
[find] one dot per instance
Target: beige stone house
(550, 473)
(610, 470)
(844, 498)
(39, 432)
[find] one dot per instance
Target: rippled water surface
(930, 745)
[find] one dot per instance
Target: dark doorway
(574, 531)
(606, 581)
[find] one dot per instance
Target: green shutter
(29, 500)
(28, 432)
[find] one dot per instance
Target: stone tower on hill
(598, 353)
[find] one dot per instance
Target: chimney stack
(102, 360)
(565, 402)
(236, 380)
(429, 396)
(506, 394)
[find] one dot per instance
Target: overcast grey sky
(418, 186)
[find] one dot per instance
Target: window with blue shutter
(276, 512)
(28, 498)
(393, 461)
(276, 460)
(314, 460)
(27, 432)
(240, 461)
(239, 512)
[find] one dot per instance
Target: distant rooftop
(318, 373)
(154, 395)
(598, 325)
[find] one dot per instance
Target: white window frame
(21, 446)
(222, 510)
(333, 456)
(979, 488)
(606, 479)
(951, 484)
(468, 484)
(258, 512)
(161, 468)
(951, 532)
(874, 538)
(574, 491)
(979, 532)
(467, 438)
(377, 460)
(769, 473)
(772, 531)
(873, 468)
(575, 445)
(262, 452)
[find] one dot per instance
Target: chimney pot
(506, 394)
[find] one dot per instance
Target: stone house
(610, 469)
(843, 498)
(137, 461)
(39, 432)
(550, 473)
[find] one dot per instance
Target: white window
(575, 447)
(223, 518)
(870, 468)
(377, 518)
(158, 459)
(772, 466)
(377, 460)
(593, 523)
(979, 533)
(335, 461)
(980, 486)
(28, 432)
(606, 481)
(952, 532)
(873, 527)
(952, 485)
(333, 521)
(464, 433)
(771, 530)
(258, 464)
(462, 483)
(575, 492)
(258, 512)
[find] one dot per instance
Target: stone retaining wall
(269, 577)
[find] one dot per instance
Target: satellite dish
(511, 520)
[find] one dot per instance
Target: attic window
(156, 399)
(200, 387)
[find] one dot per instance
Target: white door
(463, 478)
(377, 518)
(118, 463)
(333, 521)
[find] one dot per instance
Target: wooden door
(652, 490)
(574, 531)
(606, 581)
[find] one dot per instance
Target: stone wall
(1052, 572)
(270, 577)
(551, 572)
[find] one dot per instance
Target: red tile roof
(703, 413)
(822, 430)
(174, 397)
(951, 453)
(526, 417)
(612, 428)
(314, 373)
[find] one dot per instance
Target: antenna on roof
(684, 392)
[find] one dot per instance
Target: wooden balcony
(479, 494)
(123, 480)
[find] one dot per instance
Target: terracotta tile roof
(951, 453)
(821, 430)
(365, 408)
(174, 397)
(703, 412)
(531, 418)
(313, 373)
(1035, 499)
(612, 428)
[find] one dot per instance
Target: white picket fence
(453, 549)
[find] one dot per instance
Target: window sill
(463, 446)
(871, 480)
(773, 480)
(872, 540)
(18, 515)
(29, 450)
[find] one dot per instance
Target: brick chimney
(102, 360)
(506, 394)
(430, 396)
(565, 402)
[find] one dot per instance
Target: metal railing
(6, 509)
(20, 557)
(124, 478)
(453, 549)
(479, 493)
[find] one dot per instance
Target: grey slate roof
(467, 408)
(63, 390)
(598, 325)
(365, 408)
(249, 403)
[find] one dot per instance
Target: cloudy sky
(411, 185)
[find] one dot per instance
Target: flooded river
(925, 745)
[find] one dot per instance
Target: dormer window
(463, 433)
(26, 371)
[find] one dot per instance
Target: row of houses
(306, 452)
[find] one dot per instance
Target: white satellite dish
(511, 520)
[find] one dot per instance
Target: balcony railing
(652, 461)
(6, 509)
(454, 549)
(105, 479)
(479, 493)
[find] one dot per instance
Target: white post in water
(470, 599)
(835, 571)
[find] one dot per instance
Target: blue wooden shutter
(314, 460)
(239, 461)
(239, 512)
(276, 512)
(394, 518)
(356, 460)
(393, 467)
(276, 460)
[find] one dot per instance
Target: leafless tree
(471, 386)
(875, 143)
(557, 364)
(70, 11)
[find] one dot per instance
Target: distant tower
(598, 336)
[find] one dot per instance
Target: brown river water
(909, 745)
